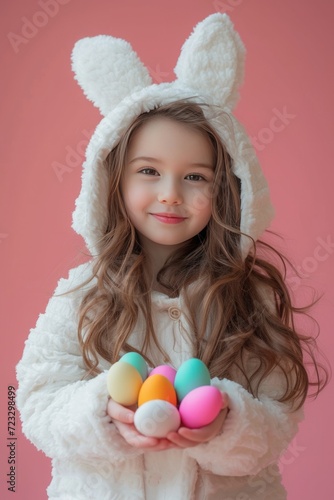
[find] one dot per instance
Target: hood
(209, 70)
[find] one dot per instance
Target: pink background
(46, 120)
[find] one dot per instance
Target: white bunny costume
(210, 70)
(63, 413)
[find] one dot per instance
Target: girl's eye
(195, 177)
(148, 171)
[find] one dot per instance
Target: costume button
(174, 313)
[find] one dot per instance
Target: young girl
(172, 203)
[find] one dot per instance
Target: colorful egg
(165, 370)
(157, 418)
(124, 383)
(200, 406)
(192, 373)
(136, 360)
(157, 387)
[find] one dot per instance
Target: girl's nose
(170, 194)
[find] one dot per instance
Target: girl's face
(167, 181)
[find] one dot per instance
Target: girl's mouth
(168, 218)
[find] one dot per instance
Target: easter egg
(191, 374)
(157, 387)
(200, 406)
(124, 383)
(157, 418)
(165, 370)
(136, 360)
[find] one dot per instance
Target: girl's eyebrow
(151, 159)
(145, 158)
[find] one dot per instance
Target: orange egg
(157, 387)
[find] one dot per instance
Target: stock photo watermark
(3, 236)
(74, 157)
(262, 484)
(158, 76)
(227, 5)
(31, 26)
(277, 123)
(11, 445)
(310, 264)
(268, 475)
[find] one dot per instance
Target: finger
(225, 399)
(181, 442)
(119, 412)
(133, 437)
(207, 432)
(194, 435)
(137, 440)
(164, 444)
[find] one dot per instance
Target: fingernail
(129, 417)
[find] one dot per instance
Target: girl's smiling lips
(168, 218)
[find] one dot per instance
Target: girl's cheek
(201, 200)
(135, 193)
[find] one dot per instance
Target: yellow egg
(124, 383)
(157, 387)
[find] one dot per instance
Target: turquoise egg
(137, 361)
(192, 373)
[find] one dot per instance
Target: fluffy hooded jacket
(63, 411)
(64, 414)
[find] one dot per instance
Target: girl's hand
(185, 438)
(122, 418)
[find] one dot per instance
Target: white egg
(157, 418)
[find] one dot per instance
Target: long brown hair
(239, 310)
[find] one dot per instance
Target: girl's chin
(161, 244)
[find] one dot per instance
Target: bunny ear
(107, 69)
(212, 60)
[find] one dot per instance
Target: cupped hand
(185, 438)
(123, 418)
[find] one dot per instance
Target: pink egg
(200, 406)
(165, 370)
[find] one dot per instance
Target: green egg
(136, 360)
(192, 373)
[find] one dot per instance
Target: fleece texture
(209, 70)
(62, 407)
(64, 414)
